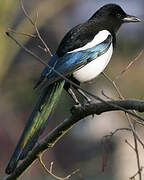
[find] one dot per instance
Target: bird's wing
(46, 71)
(74, 60)
(78, 37)
(75, 38)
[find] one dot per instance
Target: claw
(89, 102)
(76, 107)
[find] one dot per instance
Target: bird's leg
(85, 97)
(72, 94)
(88, 100)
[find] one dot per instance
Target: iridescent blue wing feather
(72, 61)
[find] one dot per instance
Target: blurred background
(82, 147)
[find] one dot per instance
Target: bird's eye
(118, 15)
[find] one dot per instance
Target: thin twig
(113, 84)
(120, 129)
(44, 49)
(133, 177)
(128, 143)
(140, 123)
(137, 157)
(133, 130)
(136, 138)
(50, 170)
(34, 23)
(106, 96)
(22, 33)
(129, 65)
(106, 143)
(117, 130)
(25, 13)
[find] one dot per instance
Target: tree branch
(77, 114)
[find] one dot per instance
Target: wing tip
(39, 82)
(14, 160)
(11, 166)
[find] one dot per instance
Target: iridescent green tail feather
(36, 123)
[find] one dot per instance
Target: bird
(81, 56)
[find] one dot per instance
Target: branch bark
(57, 133)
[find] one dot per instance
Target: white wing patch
(100, 37)
(94, 68)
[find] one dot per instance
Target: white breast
(94, 68)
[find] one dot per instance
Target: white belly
(94, 68)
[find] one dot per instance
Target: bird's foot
(88, 103)
(76, 107)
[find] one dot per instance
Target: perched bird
(81, 56)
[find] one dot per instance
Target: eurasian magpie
(81, 56)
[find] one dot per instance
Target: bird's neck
(108, 24)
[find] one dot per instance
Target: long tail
(36, 123)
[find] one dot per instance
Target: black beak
(130, 18)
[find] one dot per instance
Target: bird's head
(114, 15)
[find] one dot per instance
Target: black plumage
(109, 17)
